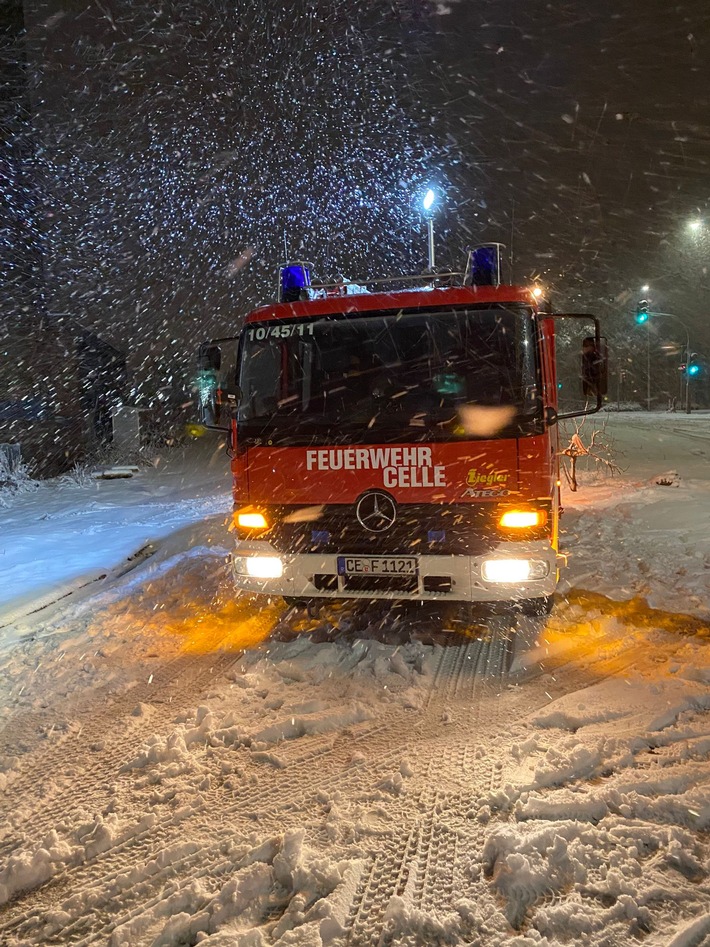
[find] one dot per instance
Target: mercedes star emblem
(376, 512)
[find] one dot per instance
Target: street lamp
(428, 205)
(694, 225)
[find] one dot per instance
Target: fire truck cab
(398, 443)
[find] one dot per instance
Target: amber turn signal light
(248, 519)
(522, 519)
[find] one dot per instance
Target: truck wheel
(311, 605)
(538, 606)
(294, 602)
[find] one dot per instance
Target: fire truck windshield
(389, 375)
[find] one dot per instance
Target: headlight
(250, 519)
(522, 519)
(259, 567)
(514, 571)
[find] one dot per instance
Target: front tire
(294, 602)
(537, 607)
(311, 605)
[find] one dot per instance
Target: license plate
(377, 565)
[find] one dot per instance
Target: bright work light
(259, 567)
(514, 571)
(264, 567)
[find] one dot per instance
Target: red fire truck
(399, 442)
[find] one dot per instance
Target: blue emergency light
(293, 279)
(483, 265)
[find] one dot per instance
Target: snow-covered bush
(79, 475)
(14, 478)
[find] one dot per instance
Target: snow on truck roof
(423, 298)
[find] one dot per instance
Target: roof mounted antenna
(483, 265)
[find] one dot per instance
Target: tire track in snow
(387, 877)
(248, 805)
(139, 848)
(73, 762)
(282, 799)
(428, 861)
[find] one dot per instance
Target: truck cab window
(386, 371)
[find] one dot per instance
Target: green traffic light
(641, 317)
(693, 369)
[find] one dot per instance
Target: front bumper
(458, 578)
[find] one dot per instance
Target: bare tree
(595, 443)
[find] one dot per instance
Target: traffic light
(642, 311)
(692, 368)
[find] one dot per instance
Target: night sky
(592, 118)
(183, 144)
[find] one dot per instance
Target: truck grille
(431, 529)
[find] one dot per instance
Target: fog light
(522, 519)
(514, 571)
(249, 519)
(259, 567)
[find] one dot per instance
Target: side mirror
(582, 378)
(595, 367)
(209, 358)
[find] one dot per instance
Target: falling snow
(184, 764)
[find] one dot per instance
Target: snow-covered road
(179, 766)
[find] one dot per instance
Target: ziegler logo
(490, 478)
(488, 483)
